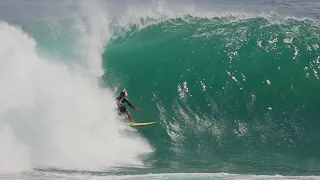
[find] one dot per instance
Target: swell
(234, 94)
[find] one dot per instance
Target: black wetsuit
(122, 108)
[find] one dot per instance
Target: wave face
(231, 93)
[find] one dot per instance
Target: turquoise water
(233, 87)
(235, 95)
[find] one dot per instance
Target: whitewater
(54, 114)
(245, 109)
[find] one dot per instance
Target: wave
(232, 94)
(230, 84)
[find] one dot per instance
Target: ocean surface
(233, 85)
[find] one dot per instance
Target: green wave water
(229, 94)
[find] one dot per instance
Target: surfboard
(139, 124)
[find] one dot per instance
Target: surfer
(121, 108)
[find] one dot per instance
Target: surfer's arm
(128, 102)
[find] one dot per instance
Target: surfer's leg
(129, 115)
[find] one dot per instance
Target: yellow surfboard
(139, 124)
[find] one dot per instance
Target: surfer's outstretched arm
(128, 102)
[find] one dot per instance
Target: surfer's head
(123, 93)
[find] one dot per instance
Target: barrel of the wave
(231, 92)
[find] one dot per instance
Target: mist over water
(53, 112)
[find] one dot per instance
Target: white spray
(54, 115)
